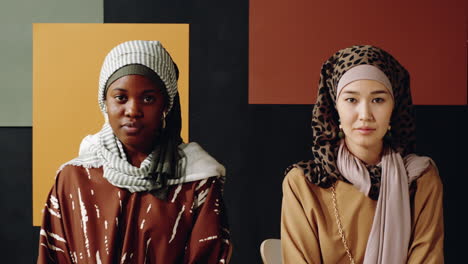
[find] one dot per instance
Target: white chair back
(270, 249)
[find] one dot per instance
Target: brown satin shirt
(88, 220)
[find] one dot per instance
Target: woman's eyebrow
(150, 91)
(379, 92)
(125, 90)
(119, 89)
(351, 92)
(373, 92)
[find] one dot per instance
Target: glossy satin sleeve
(210, 239)
(299, 235)
(427, 238)
(53, 242)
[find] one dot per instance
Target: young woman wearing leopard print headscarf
(365, 197)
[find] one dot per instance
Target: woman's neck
(369, 155)
(134, 156)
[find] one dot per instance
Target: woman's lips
(365, 130)
(131, 128)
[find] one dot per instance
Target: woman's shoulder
(83, 160)
(296, 177)
(207, 182)
(194, 151)
(430, 179)
(424, 169)
(71, 172)
(199, 164)
(69, 168)
(294, 174)
(299, 170)
(71, 177)
(297, 187)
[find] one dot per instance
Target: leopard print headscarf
(322, 169)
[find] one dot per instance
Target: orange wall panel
(67, 59)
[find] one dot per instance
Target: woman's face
(134, 106)
(365, 108)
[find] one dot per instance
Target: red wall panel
(289, 41)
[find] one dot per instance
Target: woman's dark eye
(378, 100)
(149, 99)
(120, 98)
(351, 100)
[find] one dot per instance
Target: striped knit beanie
(148, 53)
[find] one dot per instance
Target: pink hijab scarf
(391, 227)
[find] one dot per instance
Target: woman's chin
(135, 144)
(366, 142)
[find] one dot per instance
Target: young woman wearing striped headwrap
(137, 193)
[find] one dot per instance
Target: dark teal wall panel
(16, 232)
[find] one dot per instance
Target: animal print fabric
(321, 169)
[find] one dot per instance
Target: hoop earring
(163, 119)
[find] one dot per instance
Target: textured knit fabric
(148, 53)
(104, 150)
(309, 233)
(89, 220)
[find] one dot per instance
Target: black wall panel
(18, 237)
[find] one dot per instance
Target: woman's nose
(133, 109)
(365, 113)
